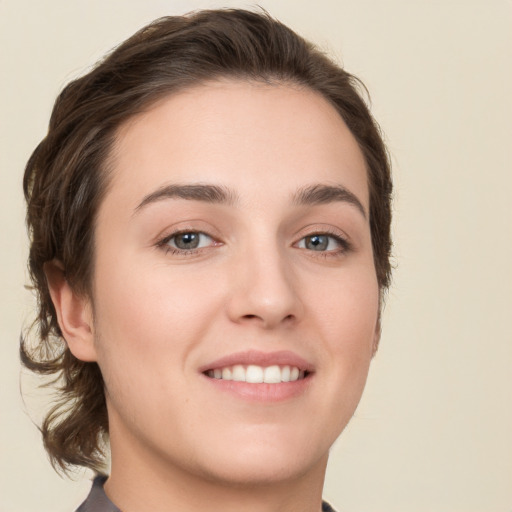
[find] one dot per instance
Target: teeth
(272, 375)
(238, 373)
(254, 374)
(257, 374)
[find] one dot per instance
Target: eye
(322, 242)
(188, 240)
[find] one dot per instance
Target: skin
(160, 315)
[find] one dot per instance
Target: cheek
(347, 307)
(136, 296)
(347, 315)
(149, 318)
(147, 324)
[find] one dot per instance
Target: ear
(74, 313)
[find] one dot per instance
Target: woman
(210, 240)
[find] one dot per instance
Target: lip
(266, 393)
(281, 358)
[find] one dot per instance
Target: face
(235, 295)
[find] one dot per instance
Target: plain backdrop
(434, 429)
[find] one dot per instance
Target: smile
(255, 374)
(260, 376)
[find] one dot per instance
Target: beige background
(434, 429)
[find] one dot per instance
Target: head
(72, 173)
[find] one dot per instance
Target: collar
(98, 501)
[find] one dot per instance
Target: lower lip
(262, 392)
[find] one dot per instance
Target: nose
(264, 291)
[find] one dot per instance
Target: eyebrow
(194, 192)
(325, 194)
(317, 194)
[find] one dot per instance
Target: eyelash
(344, 245)
(164, 243)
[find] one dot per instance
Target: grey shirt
(97, 501)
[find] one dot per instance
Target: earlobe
(73, 313)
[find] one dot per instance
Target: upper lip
(255, 357)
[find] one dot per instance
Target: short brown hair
(67, 175)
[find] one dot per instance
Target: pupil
(187, 241)
(317, 242)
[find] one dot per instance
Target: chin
(263, 471)
(261, 460)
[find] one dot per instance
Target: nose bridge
(264, 285)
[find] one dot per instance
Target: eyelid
(187, 226)
(162, 241)
(302, 242)
(322, 229)
(339, 235)
(165, 239)
(169, 238)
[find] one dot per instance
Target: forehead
(248, 136)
